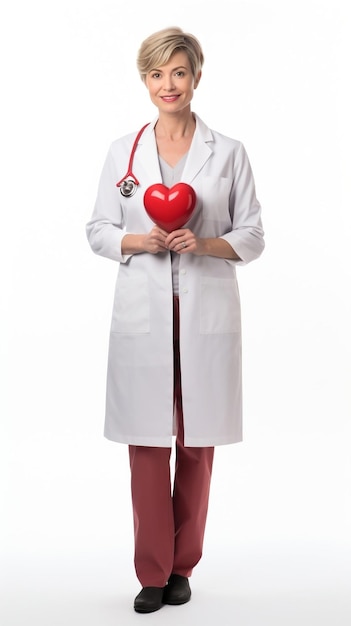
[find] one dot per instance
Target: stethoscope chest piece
(128, 187)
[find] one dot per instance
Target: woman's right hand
(152, 242)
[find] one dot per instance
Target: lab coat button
(185, 290)
(183, 272)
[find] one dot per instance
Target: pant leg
(152, 514)
(192, 481)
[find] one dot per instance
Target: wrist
(133, 244)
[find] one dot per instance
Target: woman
(175, 344)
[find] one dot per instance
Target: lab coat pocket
(131, 308)
(215, 198)
(220, 306)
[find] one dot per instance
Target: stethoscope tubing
(129, 182)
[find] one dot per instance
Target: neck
(175, 127)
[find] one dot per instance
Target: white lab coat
(139, 398)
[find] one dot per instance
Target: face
(171, 86)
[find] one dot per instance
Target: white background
(277, 549)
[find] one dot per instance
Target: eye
(180, 73)
(156, 75)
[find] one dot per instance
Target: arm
(246, 236)
(210, 246)
(243, 240)
(105, 230)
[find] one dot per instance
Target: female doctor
(174, 365)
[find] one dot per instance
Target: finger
(180, 246)
(169, 239)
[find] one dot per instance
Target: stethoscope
(169, 208)
(129, 183)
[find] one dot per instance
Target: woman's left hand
(182, 241)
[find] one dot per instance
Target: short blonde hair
(158, 48)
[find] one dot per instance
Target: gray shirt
(171, 176)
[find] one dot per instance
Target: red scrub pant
(169, 527)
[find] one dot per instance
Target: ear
(197, 79)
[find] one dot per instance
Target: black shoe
(148, 600)
(177, 591)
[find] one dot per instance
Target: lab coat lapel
(200, 151)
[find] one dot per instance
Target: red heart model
(170, 208)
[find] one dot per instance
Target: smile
(169, 98)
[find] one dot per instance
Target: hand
(183, 241)
(154, 241)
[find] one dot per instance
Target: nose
(168, 83)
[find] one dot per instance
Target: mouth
(169, 98)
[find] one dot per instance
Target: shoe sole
(148, 610)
